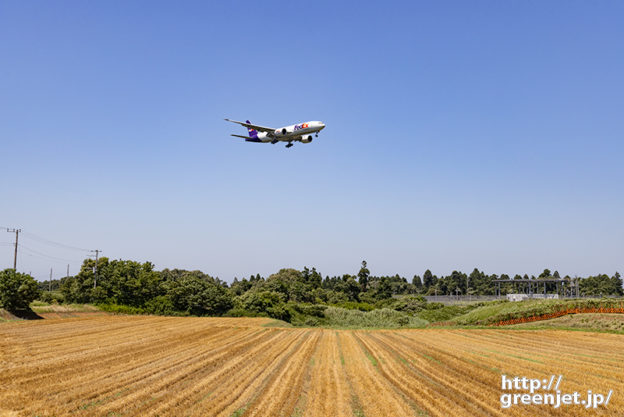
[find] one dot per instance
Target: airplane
(301, 132)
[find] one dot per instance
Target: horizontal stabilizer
(254, 127)
(248, 138)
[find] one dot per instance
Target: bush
(198, 296)
(121, 309)
(354, 305)
(311, 321)
(52, 297)
(239, 312)
(336, 297)
(17, 290)
(259, 301)
(315, 310)
(279, 312)
(410, 304)
(377, 318)
(446, 312)
(162, 306)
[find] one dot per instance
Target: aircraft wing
(256, 127)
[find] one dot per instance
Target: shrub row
(549, 310)
(577, 310)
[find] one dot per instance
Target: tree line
(175, 291)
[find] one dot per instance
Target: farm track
(171, 366)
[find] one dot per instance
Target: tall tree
(417, 282)
(384, 289)
(618, 284)
(363, 276)
(428, 279)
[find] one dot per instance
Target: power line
(41, 254)
(36, 253)
(51, 242)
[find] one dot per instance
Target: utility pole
(97, 252)
(67, 270)
(50, 282)
(17, 232)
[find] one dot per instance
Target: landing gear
(316, 134)
(289, 145)
(274, 141)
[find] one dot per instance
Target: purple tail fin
(253, 133)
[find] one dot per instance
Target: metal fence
(455, 299)
(452, 299)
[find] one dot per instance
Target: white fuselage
(300, 132)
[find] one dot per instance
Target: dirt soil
(111, 365)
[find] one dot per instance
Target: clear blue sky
(459, 134)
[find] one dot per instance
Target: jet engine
(306, 139)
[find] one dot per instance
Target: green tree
(79, 288)
(131, 283)
(476, 281)
(617, 283)
(242, 286)
(119, 281)
(455, 283)
(428, 279)
(270, 303)
(417, 282)
(293, 284)
(352, 289)
(199, 296)
(17, 290)
(384, 289)
(363, 275)
(312, 277)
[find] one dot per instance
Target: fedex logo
(301, 126)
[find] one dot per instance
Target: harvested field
(172, 366)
